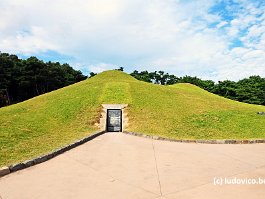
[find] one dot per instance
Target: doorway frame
(102, 121)
(107, 122)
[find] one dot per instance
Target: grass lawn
(181, 111)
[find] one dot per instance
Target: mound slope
(181, 111)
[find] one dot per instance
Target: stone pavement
(121, 166)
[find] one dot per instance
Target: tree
(92, 74)
(22, 79)
(120, 69)
(249, 90)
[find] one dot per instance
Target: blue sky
(212, 39)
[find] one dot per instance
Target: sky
(211, 39)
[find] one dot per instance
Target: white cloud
(221, 24)
(98, 68)
(170, 35)
(28, 42)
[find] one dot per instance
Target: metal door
(114, 120)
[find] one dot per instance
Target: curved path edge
(28, 163)
(225, 141)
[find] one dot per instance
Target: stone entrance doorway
(114, 120)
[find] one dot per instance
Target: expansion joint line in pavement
(211, 182)
(232, 157)
(157, 168)
(107, 175)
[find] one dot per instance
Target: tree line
(249, 90)
(21, 79)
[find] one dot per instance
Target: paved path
(121, 166)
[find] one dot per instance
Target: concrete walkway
(121, 166)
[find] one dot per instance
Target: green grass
(181, 111)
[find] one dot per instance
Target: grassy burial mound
(181, 111)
